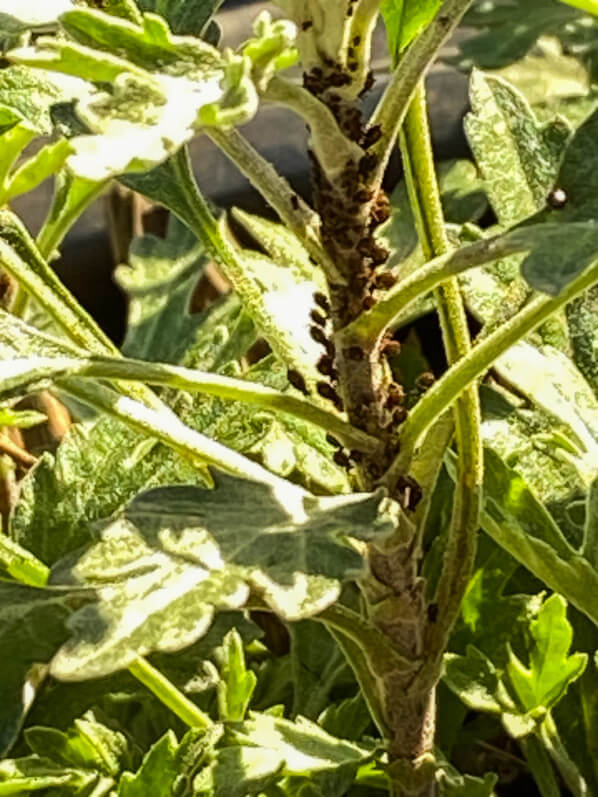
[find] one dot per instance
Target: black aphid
(297, 380)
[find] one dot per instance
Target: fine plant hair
(285, 545)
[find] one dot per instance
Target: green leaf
(27, 95)
(157, 773)
(519, 523)
(453, 784)
(164, 88)
(31, 630)
(590, 6)
(189, 17)
(303, 746)
(96, 469)
(237, 683)
(583, 333)
(160, 280)
(88, 744)
(551, 669)
(188, 552)
(349, 719)
(590, 535)
(24, 775)
(518, 156)
(404, 20)
(239, 772)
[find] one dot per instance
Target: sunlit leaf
(551, 668)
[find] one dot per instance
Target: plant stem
(224, 387)
(294, 212)
(477, 362)
(392, 108)
(551, 740)
(169, 695)
(540, 766)
(372, 324)
(19, 454)
(459, 554)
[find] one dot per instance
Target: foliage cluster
(255, 569)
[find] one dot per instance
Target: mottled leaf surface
(177, 554)
(159, 281)
(157, 773)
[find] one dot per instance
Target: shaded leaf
(160, 280)
(88, 744)
(31, 630)
(474, 679)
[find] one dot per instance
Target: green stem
(169, 695)
(372, 324)
(211, 384)
(551, 740)
(296, 214)
(540, 766)
(478, 361)
(460, 549)
(392, 108)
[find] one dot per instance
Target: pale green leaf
(188, 552)
(518, 156)
(157, 773)
(304, 747)
(27, 95)
(238, 772)
(46, 162)
(583, 333)
(556, 387)
(164, 88)
(551, 669)
(32, 774)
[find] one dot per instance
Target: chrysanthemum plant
(256, 570)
